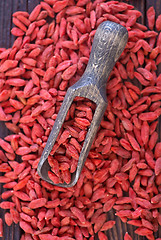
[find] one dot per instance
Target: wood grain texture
(7, 7)
(109, 42)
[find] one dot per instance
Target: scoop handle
(109, 42)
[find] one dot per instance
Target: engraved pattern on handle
(108, 44)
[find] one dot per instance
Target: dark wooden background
(7, 7)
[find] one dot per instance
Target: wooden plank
(6, 41)
(139, 5)
(121, 228)
(31, 4)
(157, 6)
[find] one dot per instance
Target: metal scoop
(108, 44)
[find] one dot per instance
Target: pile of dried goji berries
(123, 168)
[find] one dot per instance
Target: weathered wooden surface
(7, 7)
